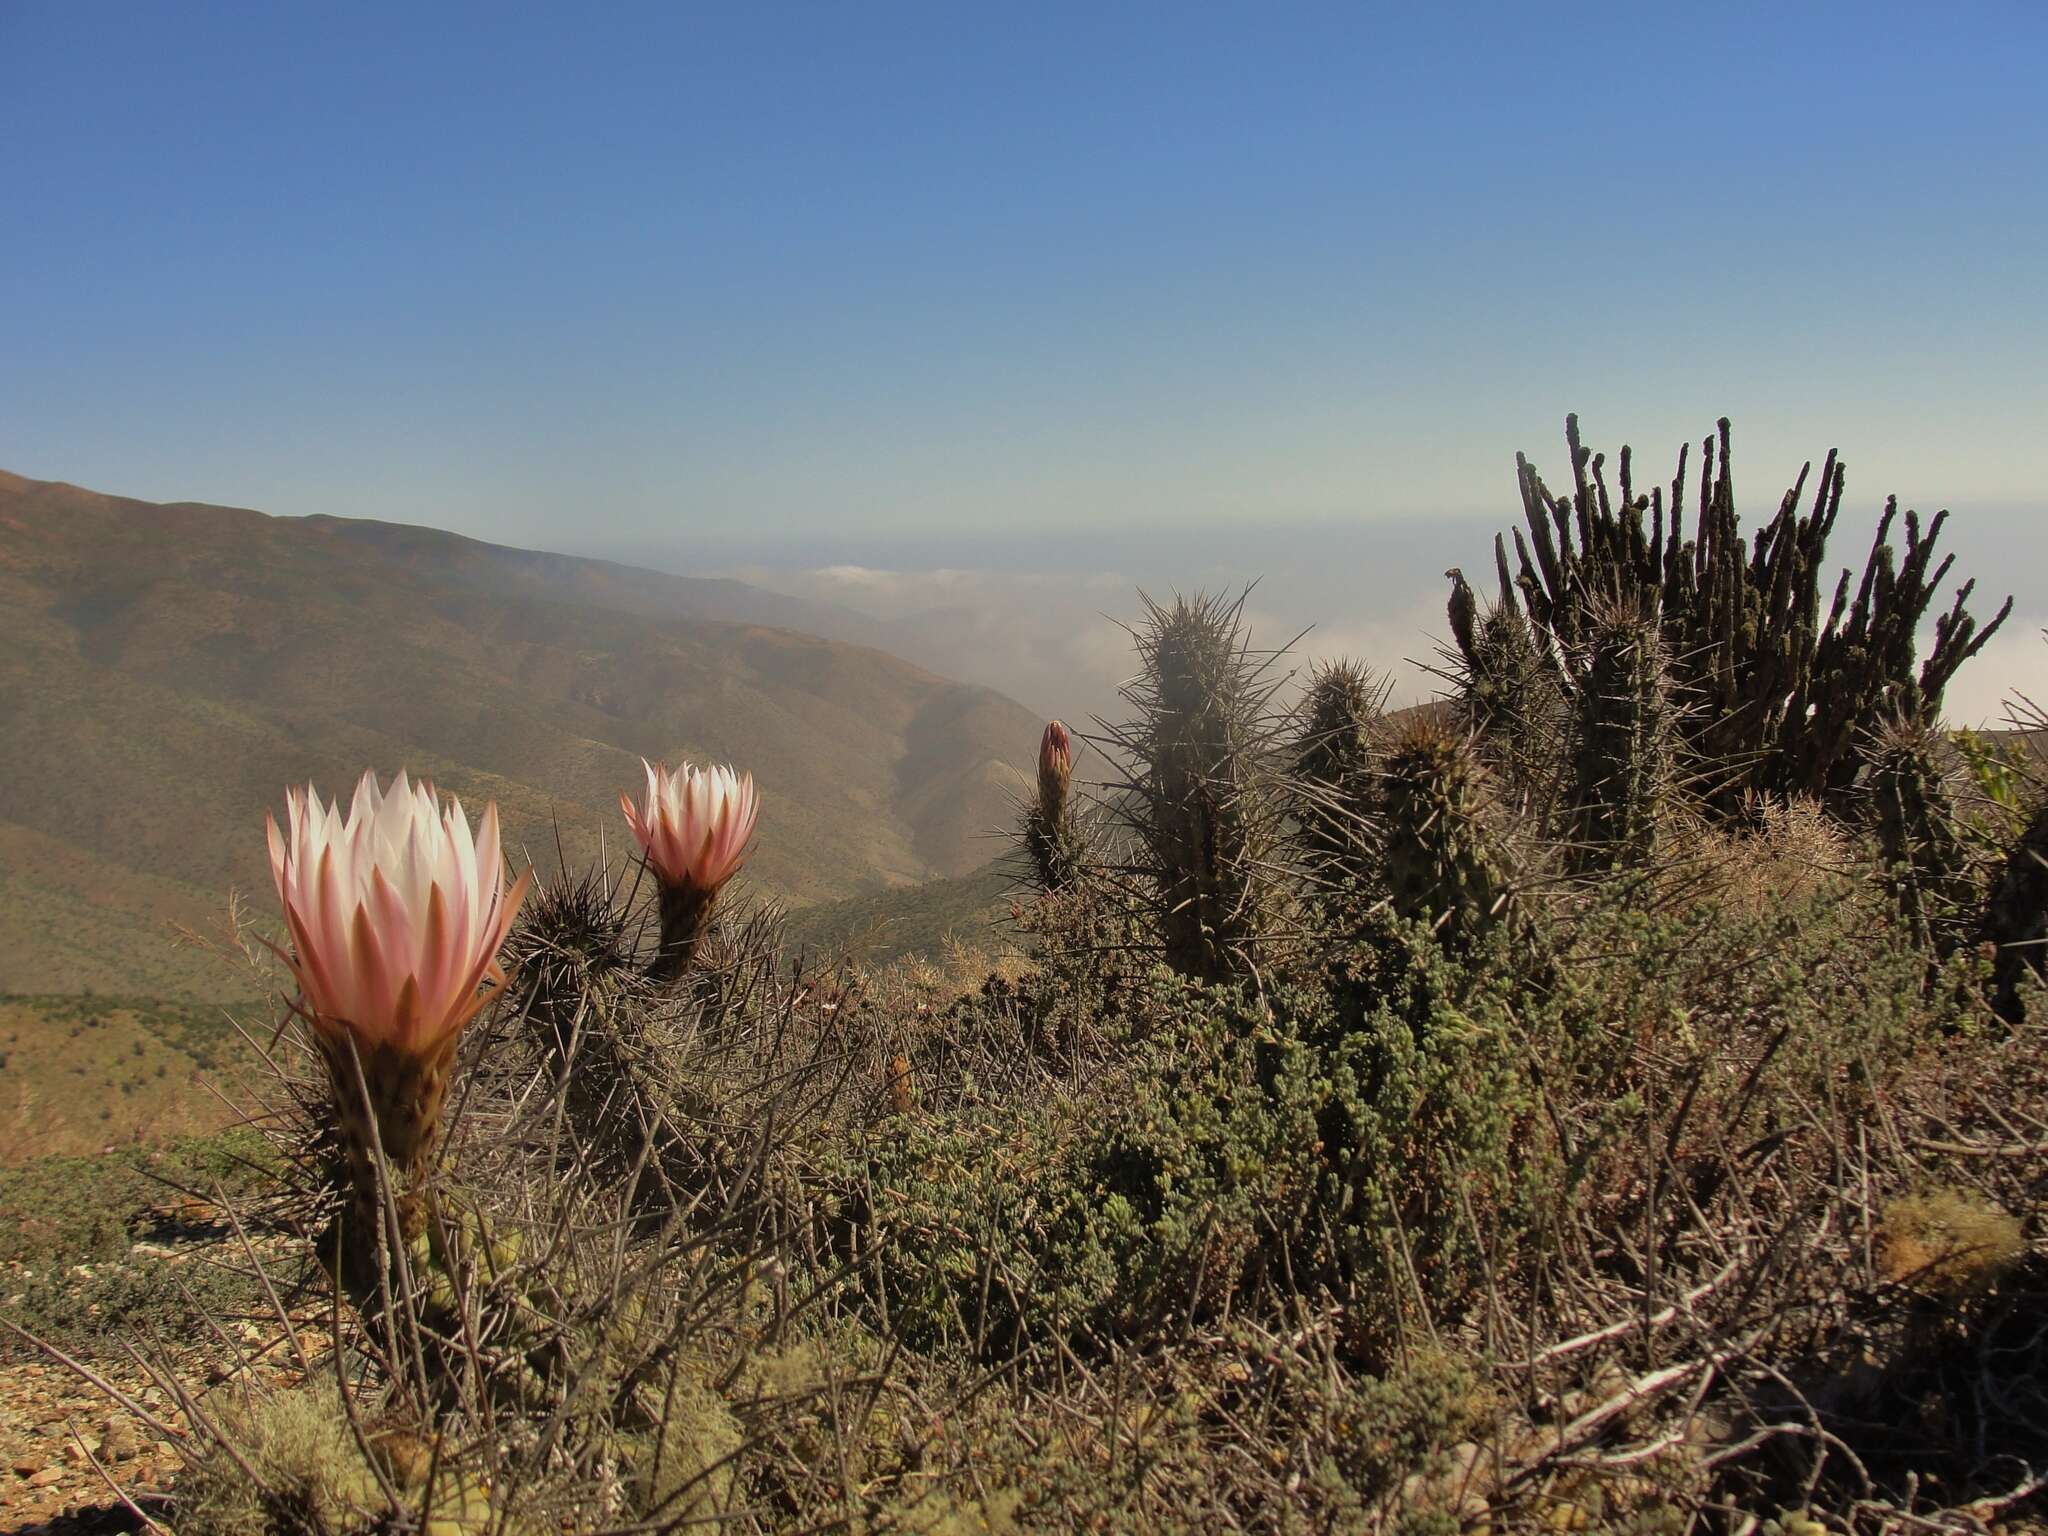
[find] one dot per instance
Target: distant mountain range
(166, 670)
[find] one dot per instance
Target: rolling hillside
(971, 910)
(165, 670)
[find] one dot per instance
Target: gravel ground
(66, 1447)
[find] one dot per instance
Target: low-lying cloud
(1056, 639)
(1040, 616)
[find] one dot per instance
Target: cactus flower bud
(1051, 837)
(1055, 768)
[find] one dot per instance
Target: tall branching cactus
(1621, 744)
(1444, 865)
(1780, 696)
(1202, 796)
(1913, 812)
(1334, 780)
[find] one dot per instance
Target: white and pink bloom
(696, 825)
(396, 914)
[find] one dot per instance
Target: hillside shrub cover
(1454, 1121)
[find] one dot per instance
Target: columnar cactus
(695, 826)
(1507, 682)
(395, 917)
(572, 947)
(1203, 798)
(1912, 809)
(1622, 727)
(1443, 865)
(1052, 836)
(2016, 916)
(1333, 773)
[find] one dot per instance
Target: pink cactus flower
(696, 824)
(396, 915)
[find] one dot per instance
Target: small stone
(121, 1441)
(28, 1464)
(47, 1476)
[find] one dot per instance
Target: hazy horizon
(1050, 633)
(1040, 616)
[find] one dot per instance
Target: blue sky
(757, 278)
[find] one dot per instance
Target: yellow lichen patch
(1948, 1242)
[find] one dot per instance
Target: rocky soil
(73, 1459)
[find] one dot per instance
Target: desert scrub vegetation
(1475, 1118)
(93, 1248)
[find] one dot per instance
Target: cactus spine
(1443, 866)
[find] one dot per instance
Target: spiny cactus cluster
(1600, 717)
(1780, 697)
(583, 1001)
(1202, 793)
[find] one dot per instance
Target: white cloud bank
(1055, 639)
